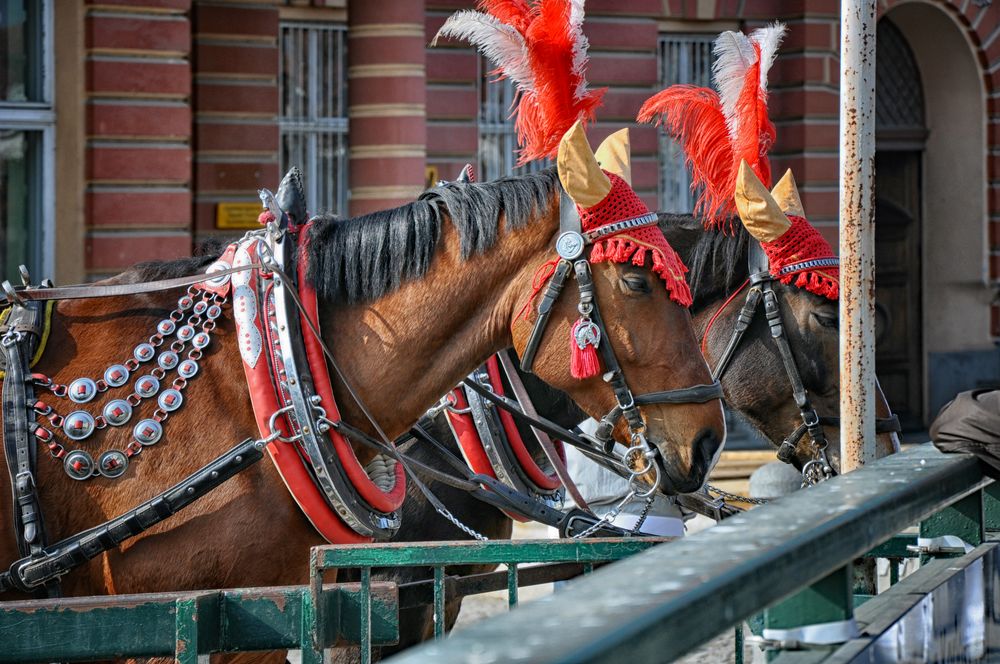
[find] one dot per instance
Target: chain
(726, 495)
(607, 518)
(642, 516)
(461, 526)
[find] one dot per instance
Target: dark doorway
(900, 137)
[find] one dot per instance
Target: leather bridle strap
(523, 398)
(549, 297)
(117, 290)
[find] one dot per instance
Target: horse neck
(406, 349)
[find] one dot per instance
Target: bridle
(571, 246)
(761, 282)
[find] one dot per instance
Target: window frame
(672, 166)
(501, 130)
(40, 116)
(312, 126)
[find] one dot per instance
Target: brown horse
(755, 385)
(412, 300)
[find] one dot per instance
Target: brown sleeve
(971, 423)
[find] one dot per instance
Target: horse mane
(716, 260)
(361, 259)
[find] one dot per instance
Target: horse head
(640, 289)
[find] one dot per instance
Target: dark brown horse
(755, 385)
(412, 300)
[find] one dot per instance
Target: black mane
(363, 258)
(717, 262)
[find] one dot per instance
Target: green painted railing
(791, 558)
(439, 555)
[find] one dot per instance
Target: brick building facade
(161, 110)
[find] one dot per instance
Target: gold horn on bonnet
(579, 172)
(614, 155)
(786, 195)
(759, 211)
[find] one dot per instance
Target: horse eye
(826, 320)
(637, 284)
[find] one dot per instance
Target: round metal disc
(147, 432)
(112, 464)
(200, 307)
(185, 332)
(78, 425)
(187, 368)
(116, 375)
(117, 412)
(170, 400)
(82, 390)
(166, 326)
(185, 303)
(144, 352)
(168, 360)
(213, 312)
(570, 245)
(147, 386)
(79, 465)
(200, 340)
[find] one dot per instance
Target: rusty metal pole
(857, 233)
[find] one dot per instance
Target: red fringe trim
(670, 268)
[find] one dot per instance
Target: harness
(761, 283)
(571, 246)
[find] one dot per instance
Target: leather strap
(521, 394)
(552, 292)
(82, 291)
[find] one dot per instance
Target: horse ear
(579, 172)
(615, 155)
(759, 212)
(786, 195)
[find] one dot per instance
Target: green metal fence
(791, 559)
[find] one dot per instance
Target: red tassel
(583, 362)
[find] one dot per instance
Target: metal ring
(273, 420)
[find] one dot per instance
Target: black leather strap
(32, 572)
(552, 292)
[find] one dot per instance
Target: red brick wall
(138, 126)
(235, 69)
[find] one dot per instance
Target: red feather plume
(539, 45)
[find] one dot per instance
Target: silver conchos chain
(176, 347)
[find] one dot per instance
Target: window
(27, 127)
(313, 121)
(682, 59)
(497, 136)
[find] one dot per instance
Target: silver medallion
(187, 369)
(185, 332)
(116, 375)
(78, 425)
(200, 307)
(112, 464)
(166, 326)
(144, 352)
(147, 432)
(147, 386)
(200, 340)
(79, 465)
(570, 245)
(170, 400)
(168, 360)
(586, 333)
(185, 302)
(82, 390)
(117, 412)
(213, 312)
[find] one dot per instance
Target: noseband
(571, 246)
(761, 283)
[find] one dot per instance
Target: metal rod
(512, 584)
(438, 601)
(857, 233)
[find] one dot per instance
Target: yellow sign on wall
(237, 216)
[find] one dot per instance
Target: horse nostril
(704, 447)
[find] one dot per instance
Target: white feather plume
(502, 44)
(734, 55)
(580, 46)
(768, 39)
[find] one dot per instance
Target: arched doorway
(900, 135)
(932, 280)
